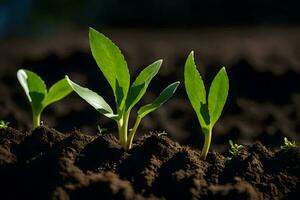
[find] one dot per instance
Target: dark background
(19, 17)
(257, 41)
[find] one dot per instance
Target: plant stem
(123, 130)
(207, 141)
(133, 131)
(36, 120)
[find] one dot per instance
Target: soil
(47, 164)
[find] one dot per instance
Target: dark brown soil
(46, 164)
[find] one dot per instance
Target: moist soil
(47, 164)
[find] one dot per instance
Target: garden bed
(72, 161)
(46, 164)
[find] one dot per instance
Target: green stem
(207, 141)
(36, 120)
(123, 129)
(132, 132)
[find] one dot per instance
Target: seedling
(235, 149)
(289, 144)
(208, 109)
(38, 95)
(162, 134)
(101, 130)
(3, 124)
(114, 68)
(159, 133)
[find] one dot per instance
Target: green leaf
(196, 91)
(217, 96)
(140, 85)
(57, 92)
(93, 99)
(112, 64)
(34, 88)
(166, 94)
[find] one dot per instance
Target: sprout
(38, 95)
(235, 149)
(114, 68)
(101, 131)
(3, 124)
(208, 109)
(288, 144)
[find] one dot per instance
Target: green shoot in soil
(235, 149)
(101, 131)
(114, 68)
(208, 109)
(3, 124)
(38, 95)
(289, 144)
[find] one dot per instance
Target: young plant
(101, 131)
(114, 68)
(38, 95)
(289, 145)
(208, 109)
(3, 124)
(162, 134)
(235, 149)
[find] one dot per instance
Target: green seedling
(38, 95)
(208, 108)
(289, 144)
(3, 124)
(235, 149)
(101, 131)
(114, 68)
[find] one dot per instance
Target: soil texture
(47, 164)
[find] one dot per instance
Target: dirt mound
(46, 164)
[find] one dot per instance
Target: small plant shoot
(235, 149)
(3, 124)
(38, 95)
(114, 68)
(101, 131)
(208, 108)
(289, 144)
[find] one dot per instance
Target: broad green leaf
(93, 99)
(217, 96)
(195, 90)
(58, 91)
(140, 85)
(34, 88)
(166, 94)
(112, 64)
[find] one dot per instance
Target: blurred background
(258, 41)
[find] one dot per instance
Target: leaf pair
(37, 94)
(114, 68)
(208, 108)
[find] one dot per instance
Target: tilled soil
(47, 164)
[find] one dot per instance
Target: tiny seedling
(3, 124)
(38, 95)
(101, 130)
(114, 68)
(235, 149)
(164, 133)
(289, 144)
(208, 108)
